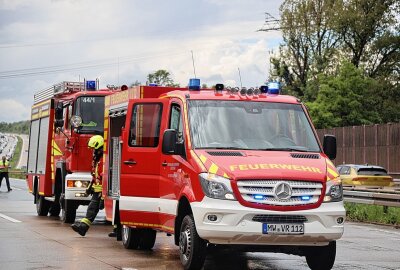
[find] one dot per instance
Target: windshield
(91, 109)
(250, 125)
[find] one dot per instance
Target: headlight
(76, 121)
(334, 191)
(216, 187)
(77, 184)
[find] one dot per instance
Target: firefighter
(95, 188)
(4, 165)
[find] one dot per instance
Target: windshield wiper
(287, 149)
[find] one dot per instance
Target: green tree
(345, 99)
(161, 77)
(309, 42)
(370, 30)
(21, 127)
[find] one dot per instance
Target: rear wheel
(147, 238)
(130, 237)
(68, 213)
(55, 208)
(42, 205)
(321, 258)
(192, 248)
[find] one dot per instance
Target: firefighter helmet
(96, 142)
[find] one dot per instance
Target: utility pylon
(271, 23)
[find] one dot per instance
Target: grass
(14, 162)
(373, 213)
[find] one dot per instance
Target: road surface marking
(15, 188)
(9, 218)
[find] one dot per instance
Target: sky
(44, 42)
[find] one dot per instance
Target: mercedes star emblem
(283, 191)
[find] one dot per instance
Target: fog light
(212, 218)
(340, 220)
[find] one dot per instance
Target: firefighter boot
(80, 228)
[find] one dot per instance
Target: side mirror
(169, 142)
(59, 115)
(330, 147)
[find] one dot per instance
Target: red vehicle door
(141, 160)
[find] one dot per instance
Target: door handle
(129, 162)
(164, 164)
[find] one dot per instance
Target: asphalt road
(31, 242)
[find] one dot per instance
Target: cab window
(175, 121)
(145, 125)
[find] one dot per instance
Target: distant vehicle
(365, 175)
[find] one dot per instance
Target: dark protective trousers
(94, 206)
(5, 175)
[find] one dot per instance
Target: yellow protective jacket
(4, 166)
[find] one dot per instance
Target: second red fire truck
(63, 118)
(227, 167)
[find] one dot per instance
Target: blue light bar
(153, 84)
(274, 88)
(305, 198)
(258, 197)
(91, 85)
(194, 84)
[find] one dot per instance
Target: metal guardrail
(370, 195)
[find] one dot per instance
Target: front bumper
(74, 193)
(234, 224)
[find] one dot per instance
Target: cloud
(122, 41)
(11, 111)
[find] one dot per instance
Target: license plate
(283, 228)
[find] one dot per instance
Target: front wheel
(321, 258)
(192, 248)
(68, 213)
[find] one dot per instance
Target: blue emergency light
(194, 84)
(258, 197)
(91, 85)
(305, 198)
(274, 88)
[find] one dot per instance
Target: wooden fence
(373, 144)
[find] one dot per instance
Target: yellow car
(364, 175)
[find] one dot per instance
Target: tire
(192, 248)
(68, 213)
(42, 205)
(55, 208)
(321, 258)
(130, 238)
(147, 238)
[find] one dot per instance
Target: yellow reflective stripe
(97, 188)
(203, 158)
(86, 221)
(213, 168)
(332, 172)
(330, 163)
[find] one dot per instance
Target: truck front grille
(279, 219)
(280, 192)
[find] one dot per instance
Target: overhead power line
(82, 65)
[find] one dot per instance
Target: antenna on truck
(240, 77)
(194, 68)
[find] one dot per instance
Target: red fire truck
(228, 167)
(63, 118)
